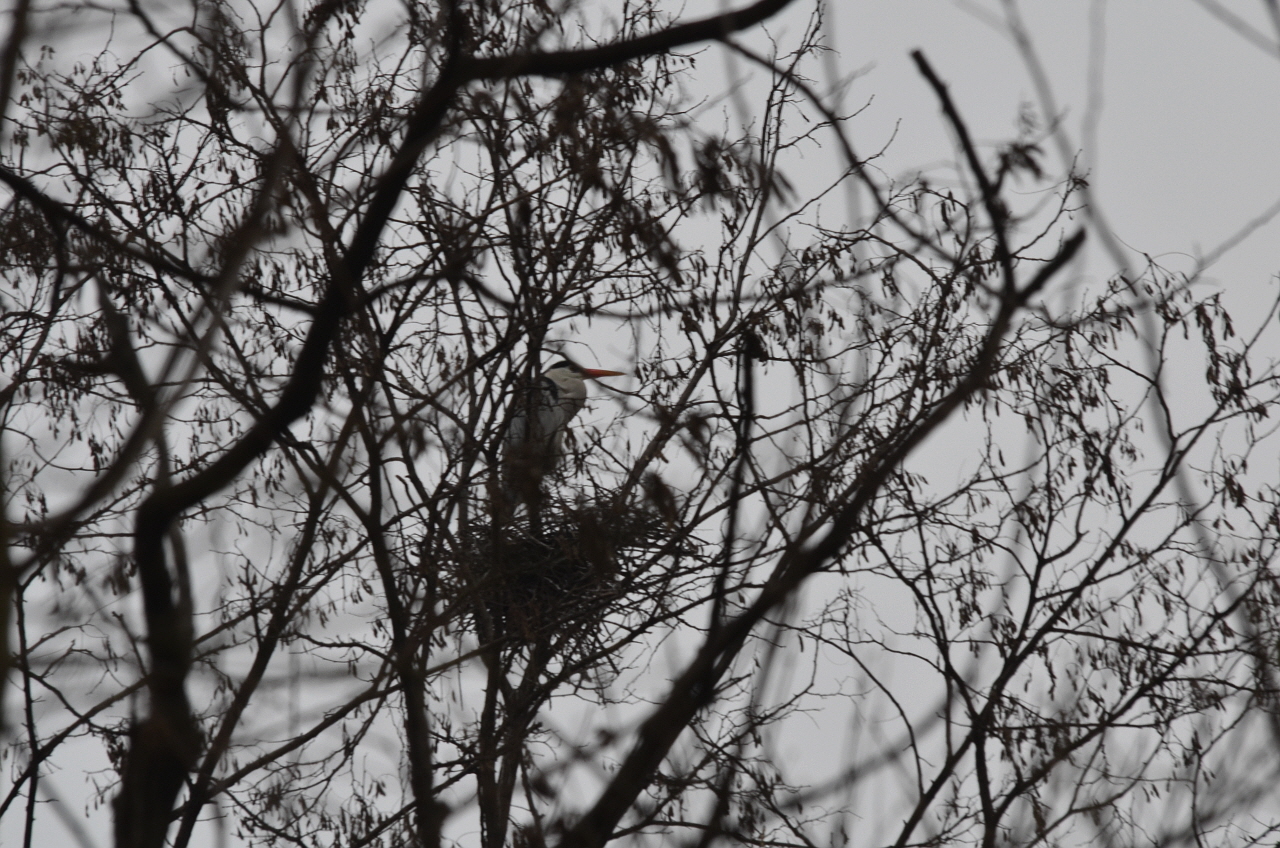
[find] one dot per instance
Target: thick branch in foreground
(165, 744)
(561, 63)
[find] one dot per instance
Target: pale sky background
(1187, 148)
(1186, 153)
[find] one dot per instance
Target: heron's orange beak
(593, 373)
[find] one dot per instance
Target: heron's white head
(569, 377)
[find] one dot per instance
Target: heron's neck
(570, 390)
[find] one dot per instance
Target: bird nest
(536, 578)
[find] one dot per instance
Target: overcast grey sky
(1186, 151)
(1176, 112)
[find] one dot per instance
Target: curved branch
(562, 62)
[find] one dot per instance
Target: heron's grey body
(530, 453)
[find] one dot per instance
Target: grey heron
(531, 452)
